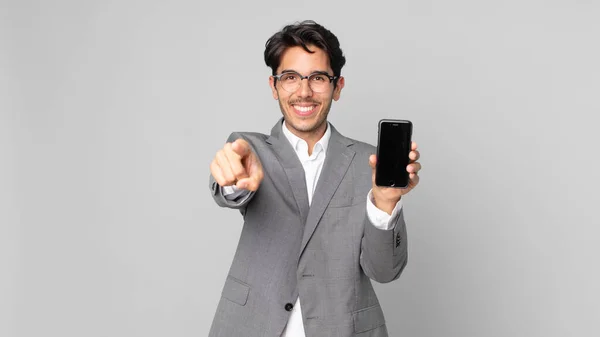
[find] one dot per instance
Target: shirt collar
(296, 141)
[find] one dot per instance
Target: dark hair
(303, 34)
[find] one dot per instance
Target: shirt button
(289, 307)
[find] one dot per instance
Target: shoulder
(256, 140)
(359, 147)
(251, 137)
(363, 148)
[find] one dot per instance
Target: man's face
(305, 111)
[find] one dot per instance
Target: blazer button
(289, 307)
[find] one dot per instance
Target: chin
(305, 125)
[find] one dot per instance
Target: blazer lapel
(338, 159)
(291, 166)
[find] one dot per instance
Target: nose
(304, 90)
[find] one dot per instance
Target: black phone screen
(393, 147)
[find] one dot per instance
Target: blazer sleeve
(384, 253)
(217, 190)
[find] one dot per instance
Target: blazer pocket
(236, 291)
(368, 318)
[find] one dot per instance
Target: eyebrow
(314, 72)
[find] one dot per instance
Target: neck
(310, 137)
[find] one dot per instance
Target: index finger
(413, 146)
(241, 147)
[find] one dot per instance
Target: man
(316, 228)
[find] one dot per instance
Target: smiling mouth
(304, 110)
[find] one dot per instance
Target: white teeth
(304, 108)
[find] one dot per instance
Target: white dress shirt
(312, 170)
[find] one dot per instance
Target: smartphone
(393, 147)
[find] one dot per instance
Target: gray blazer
(327, 254)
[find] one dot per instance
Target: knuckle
(220, 180)
(238, 172)
(229, 175)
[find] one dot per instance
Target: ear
(338, 88)
(273, 88)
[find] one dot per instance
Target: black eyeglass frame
(331, 78)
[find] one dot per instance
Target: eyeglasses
(318, 81)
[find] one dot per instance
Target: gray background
(112, 110)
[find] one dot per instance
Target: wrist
(385, 205)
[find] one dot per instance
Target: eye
(318, 78)
(288, 77)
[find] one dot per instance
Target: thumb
(253, 181)
(241, 147)
(372, 161)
